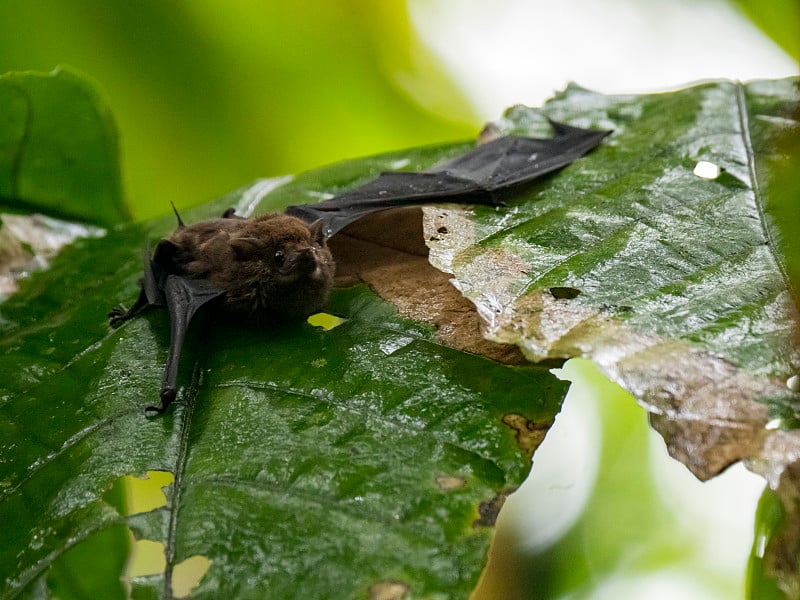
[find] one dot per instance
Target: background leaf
(211, 95)
(58, 148)
(779, 19)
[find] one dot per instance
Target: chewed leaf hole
(147, 558)
(142, 494)
(707, 170)
(565, 293)
(388, 589)
(325, 320)
(187, 574)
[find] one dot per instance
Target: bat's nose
(306, 260)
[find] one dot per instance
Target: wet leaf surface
(678, 288)
(308, 461)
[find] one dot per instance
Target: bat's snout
(301, 262)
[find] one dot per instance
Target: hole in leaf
(707, 170)
(187, 574)
(565, 293)
(325, 320)
(147, 558)
(388, 589)
(139, 494)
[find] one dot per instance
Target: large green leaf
(369, 459)
(671, 280)
(58, 148)
(308, 463)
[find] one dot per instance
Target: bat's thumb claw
(116, 316)
(167, 396)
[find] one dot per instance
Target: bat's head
(289, 249)
(284, 261)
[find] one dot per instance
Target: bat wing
(513, 160)
(183, 297)
(388, 190)
(484, 175)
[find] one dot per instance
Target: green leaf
(677, 287)
(308, 462)
(773, 569)
(58, 148)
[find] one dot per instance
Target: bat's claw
(167, 396)
(118, 315)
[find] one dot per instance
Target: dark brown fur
(269, 266)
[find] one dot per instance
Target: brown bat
(278, 267)
(266, 268)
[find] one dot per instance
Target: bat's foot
(117, 316)
(167, 396)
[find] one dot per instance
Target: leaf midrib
(180, 468)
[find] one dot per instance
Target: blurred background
(209, 95)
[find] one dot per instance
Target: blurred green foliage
(58, 148)
(210, 95)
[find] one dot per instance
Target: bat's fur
(267, 267)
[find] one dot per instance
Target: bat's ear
(245, 247)
(181, 224)
(164, 255)
(317, 229)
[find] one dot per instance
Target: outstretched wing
(484, 175)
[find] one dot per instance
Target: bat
(277, 267)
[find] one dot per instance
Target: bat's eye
(279, 256)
